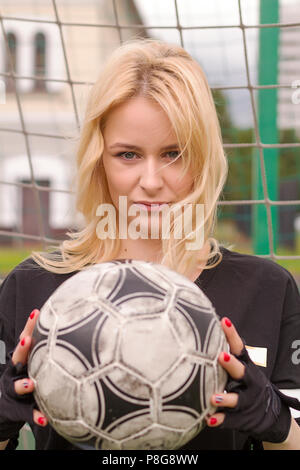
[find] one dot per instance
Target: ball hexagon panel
(59, 392)
(149, 341)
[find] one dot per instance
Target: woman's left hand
(234, 368)
(252, 404)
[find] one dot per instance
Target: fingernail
(226, 357)
(31, 316)
(41, 420)
(213, 421)
(218, 399)
(26, 384)
(228, 322)
(22, 342)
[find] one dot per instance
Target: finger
(39, 418)
(235, 341)
(21, 352)
(30, 324)
(232, 365)
(23, 386)
(229, 400)
(215, 420)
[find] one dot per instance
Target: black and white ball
(125, 356)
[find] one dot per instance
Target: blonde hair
(167, 74)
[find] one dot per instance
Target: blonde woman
(151, 139)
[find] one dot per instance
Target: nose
(151, 177)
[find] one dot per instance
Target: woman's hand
(17, 403)
(20, 356)
(235, 369)
(252, 403)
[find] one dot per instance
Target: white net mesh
(52, 51)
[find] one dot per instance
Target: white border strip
(292, 393)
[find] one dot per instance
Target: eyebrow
(135, 147)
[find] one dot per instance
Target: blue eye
(173, 154)
(123, 154)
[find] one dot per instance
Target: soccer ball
(125, 356)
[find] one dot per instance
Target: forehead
(140, 119)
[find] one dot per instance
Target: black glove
(262, 410)
(15, 409)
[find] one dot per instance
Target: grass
(11, 257)
(226, 233)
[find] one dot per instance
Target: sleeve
(7, 318)
(286, 373)
(7, 333)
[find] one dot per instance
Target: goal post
(265, 160)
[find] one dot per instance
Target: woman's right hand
(20, 356)
(17, 404)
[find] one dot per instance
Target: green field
(226, 234)
(11, 257)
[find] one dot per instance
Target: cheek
(184, 185)
(112, 175)
(118, 182)
(116, 189)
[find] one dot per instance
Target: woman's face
(138, 142)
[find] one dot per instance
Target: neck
(145, 250)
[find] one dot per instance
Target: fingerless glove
(15, 409)
(262, 410)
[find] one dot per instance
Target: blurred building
(54, 65)
(41, 109)
(289, 70)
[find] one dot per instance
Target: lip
(151, 206)
(147, 203)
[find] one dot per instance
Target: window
(11, 60)
(40, 61)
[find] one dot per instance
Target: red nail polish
(41, 420)
(213, 421)
(226, 357)
(31, 316)
(22, 342)
(228, 322)
(218, 399)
